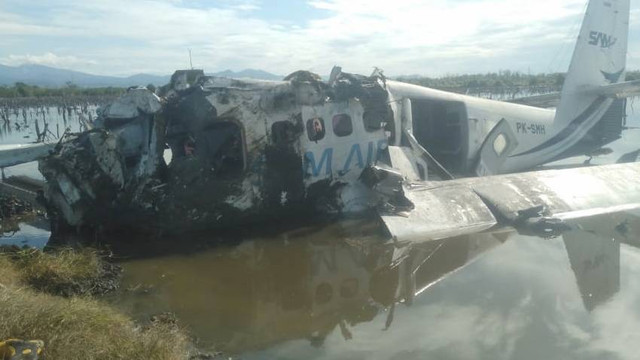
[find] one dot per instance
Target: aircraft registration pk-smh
(247, 150)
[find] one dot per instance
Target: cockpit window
(342, 125)
(315, 129)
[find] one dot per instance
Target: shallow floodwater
(344, 291)
(35, 233)
(22, 129)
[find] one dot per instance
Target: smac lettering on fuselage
(530, 129)
(355, 159)
(601, 39)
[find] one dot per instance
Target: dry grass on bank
(76, 328)
(60, 272)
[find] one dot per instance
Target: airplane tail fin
(599, 60)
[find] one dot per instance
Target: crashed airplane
(246, 150)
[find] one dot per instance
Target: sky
(402, 37)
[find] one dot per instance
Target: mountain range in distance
(46, 76)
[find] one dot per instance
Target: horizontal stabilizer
(452, 208)
(544, 101)
(618, 91)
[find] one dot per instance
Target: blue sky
(427, 37)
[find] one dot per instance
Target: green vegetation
(498, 82)
(22, 90)
(75, 328)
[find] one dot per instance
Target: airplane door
(496, 149)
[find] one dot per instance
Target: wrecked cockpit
(208, 152)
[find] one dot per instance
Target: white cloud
(410, 36)
(48, 59)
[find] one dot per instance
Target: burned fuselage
(239, 150)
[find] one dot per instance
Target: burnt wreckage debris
(235, 153)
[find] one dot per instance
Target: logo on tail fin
(612, 77)
(601, 39)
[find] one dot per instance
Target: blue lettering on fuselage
(310, 161)
(355, 150)
(354, 159)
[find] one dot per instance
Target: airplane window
(315, 129)
(500, 144)
(342, 125)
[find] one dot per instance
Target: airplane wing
(621, 90)
(535, 203)
(22, 153)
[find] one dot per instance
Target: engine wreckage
(244, 151)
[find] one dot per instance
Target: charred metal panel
(283, 178)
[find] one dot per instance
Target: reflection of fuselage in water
(304, 287)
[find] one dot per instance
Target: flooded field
(19, 125)
(345, 290)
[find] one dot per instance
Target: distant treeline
(503, 82)
(22, 90)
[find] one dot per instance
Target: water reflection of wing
(429, 263)
(595, 260)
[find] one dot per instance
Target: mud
(107, 280)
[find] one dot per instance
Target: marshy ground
(49, 296)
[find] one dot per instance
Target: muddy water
(344, 291)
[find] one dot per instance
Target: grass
(66, 271)
(75, 328)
